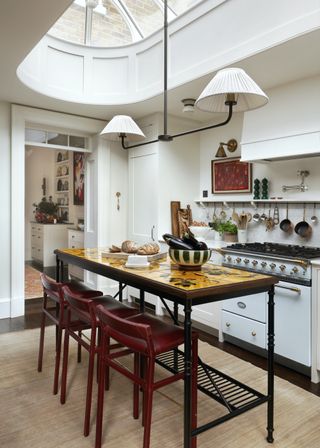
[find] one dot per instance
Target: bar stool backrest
(135, 336)
(80, 307)
(51, 288)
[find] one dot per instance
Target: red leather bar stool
(57, 314)
(84, 310)
(147, 337)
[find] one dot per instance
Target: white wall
(39, 165)
(5, 206)
(179, 170)
(209, 143)
(293, 109)
(118, 219)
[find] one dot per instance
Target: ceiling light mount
(188, 105)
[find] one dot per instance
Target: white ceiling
(23, 23)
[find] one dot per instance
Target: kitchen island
(188, 288)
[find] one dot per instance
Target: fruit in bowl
(187, 252)
(201, 232)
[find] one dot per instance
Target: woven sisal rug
(30, 416)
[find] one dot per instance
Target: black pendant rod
(165, 68)
(165, 137)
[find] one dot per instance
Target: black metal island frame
(190, 288)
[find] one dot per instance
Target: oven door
(293, 322)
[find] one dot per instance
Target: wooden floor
(32, 320)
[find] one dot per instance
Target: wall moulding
(192, 30)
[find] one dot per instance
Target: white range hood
(288, 127)
(282, 148)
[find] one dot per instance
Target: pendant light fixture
(231, 90)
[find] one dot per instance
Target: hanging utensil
(303, 229)
(314, 218)
(263, 217)
(286, 224)
(276, 219)
(256, 216)
(269, 221)
(223, 214)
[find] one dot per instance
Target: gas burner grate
(292, 251)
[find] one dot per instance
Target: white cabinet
(160, 173)
(45, 238)
(75, 241)
(143, 195)
(245, 318)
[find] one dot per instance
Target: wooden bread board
(124, 255)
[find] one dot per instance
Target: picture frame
(78, 178)
(231, 176)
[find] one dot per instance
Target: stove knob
(229, 258)
(263, 264)
(294, 270)
(246, 261)
(238, 260)
(282, 267)
(272, 265)
(254, 262)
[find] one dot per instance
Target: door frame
(20, 117)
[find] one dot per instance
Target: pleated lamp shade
(233, 81)
(122, 125)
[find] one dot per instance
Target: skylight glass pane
(147, 15)
(71, 25)
(111, 29)
(180, 6)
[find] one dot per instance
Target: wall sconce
(232, 145)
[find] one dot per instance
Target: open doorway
(54, 209)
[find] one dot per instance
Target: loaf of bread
(129, 247)
(114, 249)
(148, 249)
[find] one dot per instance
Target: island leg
(187, 374)
(57, 269)
(270, 428)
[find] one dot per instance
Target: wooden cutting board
(124, 255)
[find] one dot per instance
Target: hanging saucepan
(303, 229)
(286, 224)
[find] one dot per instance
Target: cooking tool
(235, 217)
(269, 221)
(256, 217)
(223, 214)
(276, 219)
(314, 218)
(263, 217)
(303, 229)
(286, 224)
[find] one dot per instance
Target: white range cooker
(245, 319)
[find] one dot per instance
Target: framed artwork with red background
(231, 176)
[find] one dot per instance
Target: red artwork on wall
(231, 176)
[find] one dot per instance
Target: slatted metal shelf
(229, 392)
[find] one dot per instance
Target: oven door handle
(293, 289)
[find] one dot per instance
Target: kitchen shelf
(257, 201)
(62, 191)
(61, 177)
(63, 206)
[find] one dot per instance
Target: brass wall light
(232, 145)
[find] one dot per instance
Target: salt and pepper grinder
(265, 188)
(256, 189)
